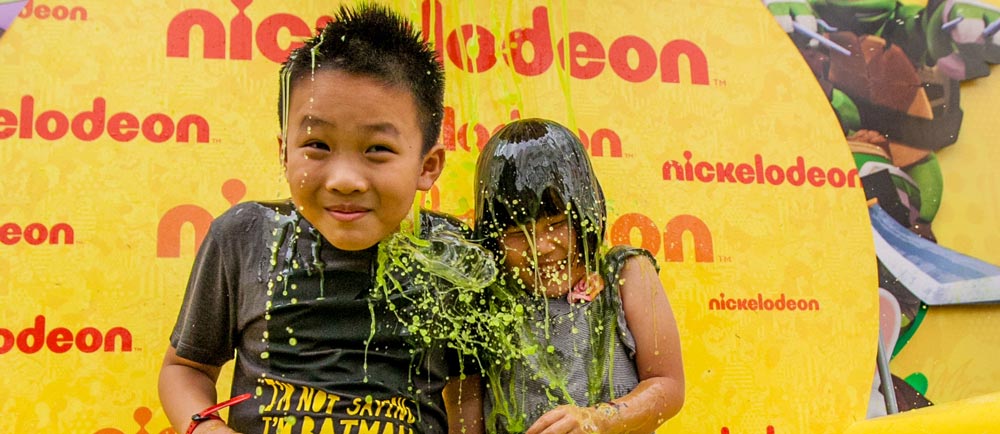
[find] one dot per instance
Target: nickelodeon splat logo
(168, 232)
(672, 237)
(141, 416)
(242, 35)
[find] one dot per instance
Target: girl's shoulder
(616, 258)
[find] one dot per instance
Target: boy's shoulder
(434, 222)
(254, 215)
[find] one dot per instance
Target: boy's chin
(351, 245)
(348, 243)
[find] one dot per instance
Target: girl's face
(545, 256)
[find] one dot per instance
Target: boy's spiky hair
(373, 41)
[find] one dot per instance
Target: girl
(601, 351)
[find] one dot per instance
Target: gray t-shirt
(297, 314)
(591, 360)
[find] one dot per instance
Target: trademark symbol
(216, 140)
(719, 82)
(628, 155)
(723, 258)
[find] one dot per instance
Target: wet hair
(535, 168)
(372, 41)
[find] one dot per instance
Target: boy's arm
(464, 403)
(187, 387)
(660, 393)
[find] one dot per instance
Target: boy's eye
(318, 145)
(379, 149)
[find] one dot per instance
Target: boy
(289, 286)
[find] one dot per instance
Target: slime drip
(285, 80)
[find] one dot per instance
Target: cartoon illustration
(892, 72)
(8, 12)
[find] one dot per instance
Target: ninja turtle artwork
(892, 73)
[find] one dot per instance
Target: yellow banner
(127, 126)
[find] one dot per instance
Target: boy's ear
(433, 164)
(281, 154)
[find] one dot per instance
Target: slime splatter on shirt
(317, 340)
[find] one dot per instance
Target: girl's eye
(557, 225)
(514, 233)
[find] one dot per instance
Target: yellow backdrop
(126, 126)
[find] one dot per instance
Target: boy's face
(354, 160)
(559, 265)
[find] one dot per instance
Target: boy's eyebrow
(384, 128)
(377, 127)
(313, 121)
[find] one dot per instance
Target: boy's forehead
(316, 120)
(307, 110)
(332, 76)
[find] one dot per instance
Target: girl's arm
(187, 387)
(660, 393)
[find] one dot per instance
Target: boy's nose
(346, 178)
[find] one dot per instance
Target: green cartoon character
(892, 73)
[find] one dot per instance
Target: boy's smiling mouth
(346, 212)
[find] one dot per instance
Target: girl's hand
(567, 419)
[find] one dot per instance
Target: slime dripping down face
(545, 256)
(539, 205)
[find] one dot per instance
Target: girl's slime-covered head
(532, 170)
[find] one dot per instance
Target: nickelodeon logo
(173, 222)
(60, 339)
(242, 35)
(89, 125)
(672, 237)
(456, 137)
(58, 12)
(588, 56)
(36, 234)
